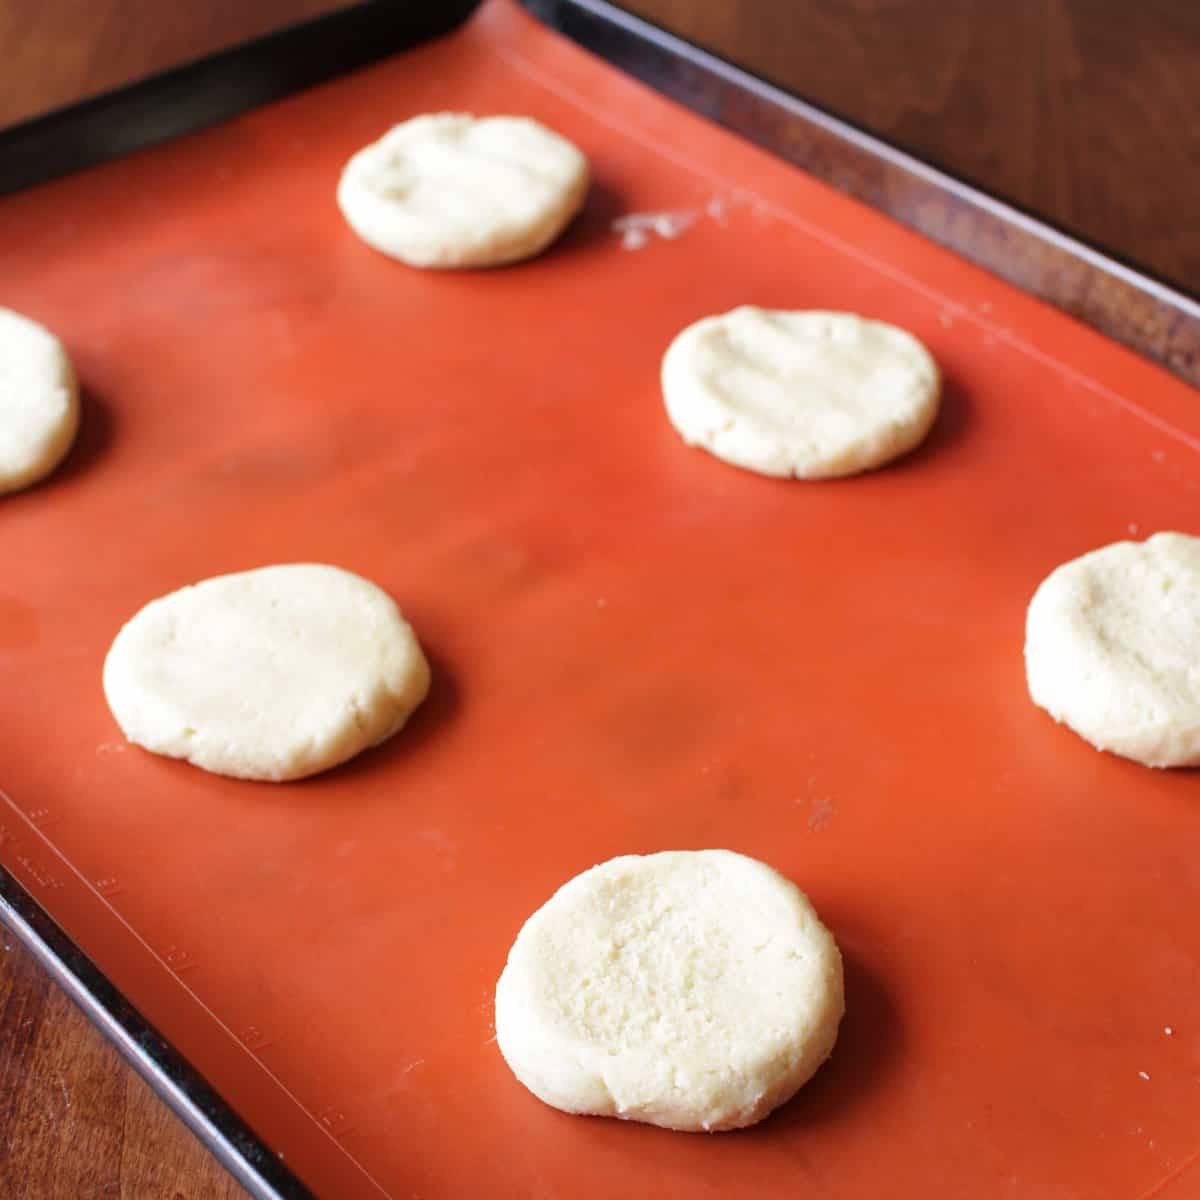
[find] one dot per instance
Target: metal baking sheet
(635, 646)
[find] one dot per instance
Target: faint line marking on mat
(321, 1124)
(33, 868)
(522, 66)
(1161, 1186)
(253, 1038)
(109, 886)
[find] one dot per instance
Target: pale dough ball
(451, 190)
(275, 673)
(806, 394)
(39, 402)
(693, 989)
(1112, 648)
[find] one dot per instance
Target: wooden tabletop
(1084, 111)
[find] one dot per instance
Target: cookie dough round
(453, 190)
(39, 402)
(275, 673)
(696, 990)
(812, 395)
(1112, 648)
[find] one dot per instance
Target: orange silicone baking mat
(635, 647)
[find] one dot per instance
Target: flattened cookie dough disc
(806, 394)
(39, 402)
(453, 190)
(696, 990)
(275, 673)
(1112, 648)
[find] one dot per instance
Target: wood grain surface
(1084, 111)
(55, 52)
(75, 1122)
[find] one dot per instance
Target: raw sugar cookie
(696, 990)
(811, 395)
(275, 673)
(1112, 648)
(39, 402)
(453, 190)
